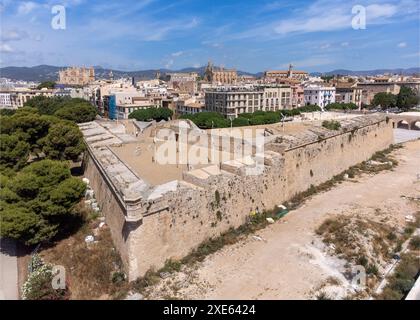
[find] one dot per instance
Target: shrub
(401, 282)
(217, 197)
(46, 84)
(415, 243)
(331, 125)
(241, 122)
(38, 286)
(372, 269)
(118, 277)
(341, 106)
(171, 266)
(323, 296)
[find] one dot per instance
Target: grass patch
(92, 270)
(349, 235)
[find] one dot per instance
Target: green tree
(64, 141)
(79, 113)
(385, 100)
(46, 84)
(150, 114)
(46, 105)
(341, 106)
(240, 122)
(18, 223)
(257, 120)
(407, 98)
(37, 202)
(29, 127)
(7, 112)
(14, 153)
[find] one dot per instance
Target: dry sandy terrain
(290, 261)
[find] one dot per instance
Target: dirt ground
(287, 260)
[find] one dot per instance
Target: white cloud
(402, 45)
(328, 15)
(313, 62)
(325, 46)
(177, 54)
(144, 29)
(26, 7)
(317, 18)
(5, 48)
(65, 3)
(375, 11)
(345, 44)
(412, 55)
(169, 63)
(13, 35)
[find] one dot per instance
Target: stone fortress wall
(151, 224)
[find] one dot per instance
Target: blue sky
(248, 35)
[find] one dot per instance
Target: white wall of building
(321, 96)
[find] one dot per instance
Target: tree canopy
(14, 152)
(32, 132)
(74, 109)
(341, 106)
(35, 201)
(384, 100)
(150, 114)
(46, 84)
(79, 113)
(64, 141)
(407, 98)
(208, 120)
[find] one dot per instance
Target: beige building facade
(231, 102)
(220, 75)
(278, 75)
(76, 76)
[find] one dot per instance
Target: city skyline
(250, 36)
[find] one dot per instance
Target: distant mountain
(37, 73)
(46, 72)
(401, 71)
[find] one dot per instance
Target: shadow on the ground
(8, 247)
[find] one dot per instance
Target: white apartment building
(319, 95)
(5, 101)
(232, 101)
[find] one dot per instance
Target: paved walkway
(403, 135)
(8, 271)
